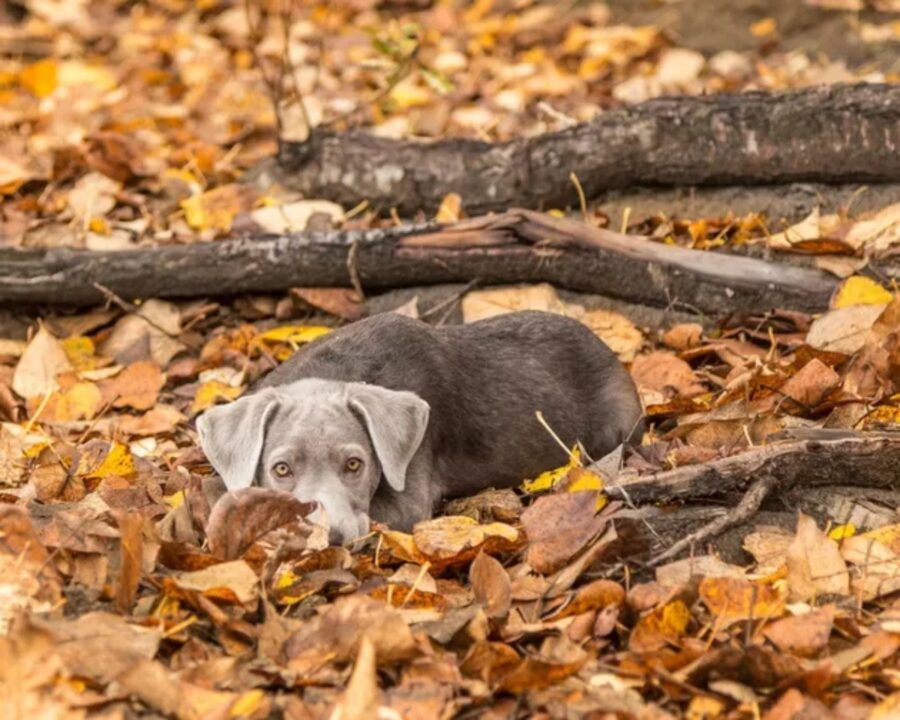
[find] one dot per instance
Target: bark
(515, 247)
(834, 134)
(821, 458)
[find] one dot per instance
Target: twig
(745, 509)
(353, 269)
(452, 300)
(130, 308)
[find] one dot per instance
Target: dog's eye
(281, 469)
(353, 465)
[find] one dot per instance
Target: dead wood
(822, 457)
(516, 246)
(814, 471)
(834, 134)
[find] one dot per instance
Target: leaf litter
(128, 589)
(136, 588)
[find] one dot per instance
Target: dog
(385, 418)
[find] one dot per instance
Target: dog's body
(442, 413)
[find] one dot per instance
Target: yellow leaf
(888, 535)
(116, 461)
(839, 532)
(247, 704)
(764, 27)
(547, 480)
(175, 500)
(450, 208)
(298, 334)
(210, 392)
(407, 94)
(883, 415)
(581, 479)
(80, 352)
(216, 209)
(98, 225)
(73, 73)
(40, 78)
(860, 290)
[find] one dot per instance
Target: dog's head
(321, 440)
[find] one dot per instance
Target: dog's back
(485, 382)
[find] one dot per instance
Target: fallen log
(515, 247)
(833, 134)
(800, 469)
(814, 458)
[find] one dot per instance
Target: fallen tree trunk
(515, 247)
(834, 134)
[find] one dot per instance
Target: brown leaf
(159, 420)
(489, 660)
(336, 634)
(137, 386)
(804, 635)
(235, 578)
(537, 672)
(491, 585)
(596, 595)
(731, 599)
(662, 626)
(42, 361)
(814, 563)
(456, 539)
(341, 302)
(558, 527)
(12, 462)
(666, 374)
(30, 580)
(100, 646)
(360, 699)
(811, 383)
(131, 525)
(683, 336)
(240, 518)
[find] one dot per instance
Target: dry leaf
(482, 304)
(558, 527)
(336, 634)
(491, 585)
(42, 361)
(811, 383)
(360, 699)
(241, 517)
(137, 386)
(454, 538)
(131, 525)
(159, 420)
(731, 599)
(683, 336)
(662, 626)
(341, 302)
(814, 563)
(859, 290)
(805, 635)
(616, 330)
(844, 330)
(235, 577)
(294, 216)
(665, 374)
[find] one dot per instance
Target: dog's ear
(396, 421)
(232, 436)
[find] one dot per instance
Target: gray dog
(384, 418)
